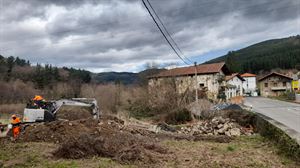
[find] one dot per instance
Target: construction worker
(39, 101)
(15, 122)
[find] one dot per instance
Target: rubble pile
(225, 106)
(216, 126)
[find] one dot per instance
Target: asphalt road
(283, 112)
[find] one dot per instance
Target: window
(284, 84)
(266, 84)
(201, 85)
(275, 84)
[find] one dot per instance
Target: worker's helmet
(14, 116)
(38, 97)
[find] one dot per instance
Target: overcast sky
(119, 35)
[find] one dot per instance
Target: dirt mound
(121, 146)
(88, 137)
(74, 113)
(57, 131)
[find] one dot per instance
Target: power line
(166, 30)
(163, 33)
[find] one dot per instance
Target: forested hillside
(20, 80)
(125, 78)
(278, 53)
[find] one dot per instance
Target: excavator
(47, 112)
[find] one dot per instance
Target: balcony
(279, 88)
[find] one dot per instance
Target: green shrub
(178, 116)
(231, 148)
(140, 110)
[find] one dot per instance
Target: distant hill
(264, 56)
(113, 77)
(126, 78)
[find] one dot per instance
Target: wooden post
(196, 81)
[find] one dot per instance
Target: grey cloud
(110, 33)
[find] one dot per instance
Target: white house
(249, 85)
(234, 86)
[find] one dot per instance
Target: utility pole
(196, 82)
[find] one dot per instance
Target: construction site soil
(106, 137)
(130, 142)
(87, 137)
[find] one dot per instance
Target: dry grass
(39, 155)
(243, 152)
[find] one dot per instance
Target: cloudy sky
(119, 35)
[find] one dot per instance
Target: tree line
(19, 75)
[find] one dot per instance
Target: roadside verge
(286, 139)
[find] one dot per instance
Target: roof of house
(227, 78)
(277, 74)
(201, 69)
(248, 75)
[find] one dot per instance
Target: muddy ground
(111, 142)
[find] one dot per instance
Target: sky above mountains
(119, 35)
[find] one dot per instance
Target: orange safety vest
(16, 129)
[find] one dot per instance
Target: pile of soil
(88, 137)
(107, 137)
(57, 131)
(74, 113)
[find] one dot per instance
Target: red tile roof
(248, 75)
(277, 74)
(201, 69)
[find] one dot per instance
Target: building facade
(207, 78)
(234, 86)
(249, 85)
(275, 84)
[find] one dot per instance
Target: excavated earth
(107, 137)
(86, 138)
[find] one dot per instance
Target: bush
(140, 110)
(179, 116)
(288, 95)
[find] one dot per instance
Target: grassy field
(251, 151)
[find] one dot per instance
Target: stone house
(209, 79)
(274, 84)
(249, 85)
(234, 86)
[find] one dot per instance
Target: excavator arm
(49, 114)
(83, 102)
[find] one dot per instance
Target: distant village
(216, 82)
